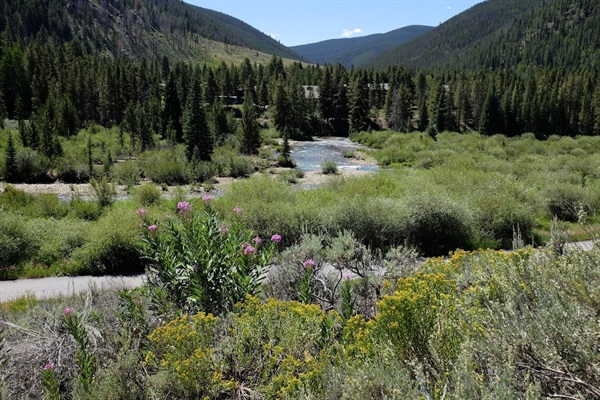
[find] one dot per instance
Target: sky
(295, 22)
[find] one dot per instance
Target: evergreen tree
(281, 116)
(218, 125)
(2, 110)
(211, 89)
(359, 104)
(199, 142)
(250, 134)
(423, 115)
(298, 110)
(10, 166)
(172, 111)
(326, 94)
(490, 121)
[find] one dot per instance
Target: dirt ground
(84, 190)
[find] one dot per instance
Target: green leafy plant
(199, 263)
(84, 358)
(50, 384)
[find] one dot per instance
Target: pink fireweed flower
(238, 210)
(276, 238)
(152, 229)
(206, 199)
(183, 206)
(257, 240)
(249, 250)
(68, 311)
(223, 230)
(310, 263)
(49, 366)
(347, 277)
(141, 212)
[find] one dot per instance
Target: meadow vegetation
(270, 292)
(483, 324)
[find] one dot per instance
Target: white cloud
(448, 8)
(350, 32)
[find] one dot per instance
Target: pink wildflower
(141, 212)
(152, 229)
(68, 311)
(276, 238)
(50, 365)
(257, 240)
(206, 199)
(223, 230)
(310, 263)
(183, 206)
(249, 250)
(238, 210)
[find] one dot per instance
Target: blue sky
(295, 22)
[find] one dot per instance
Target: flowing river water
(308, 156)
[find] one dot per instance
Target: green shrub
(291, 176)
(16, 241)
(168, 167)
(15, 199)
(204, 171)
(437, 226)
(241, 167)
(58, 239)
(126, 173)
(147, 194)
(72, 169)
(564, 201)
(104, 192)
(84, 210)
(32, 167)
(112, 246)
(329, 167)
(48, 205)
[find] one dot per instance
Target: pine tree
(326, 93)
(359, 104)
(172, 111)
(281, 117)
(199, 141)
(250, 134)
(10, 167)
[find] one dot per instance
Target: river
(309, 155)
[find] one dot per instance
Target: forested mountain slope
(357, 51)
(132, 28)
(508, 33)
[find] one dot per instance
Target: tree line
(54, 91)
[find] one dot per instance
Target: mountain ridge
(357, 51)
(506, 33)
(134, 28)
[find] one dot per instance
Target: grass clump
(329, 167)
